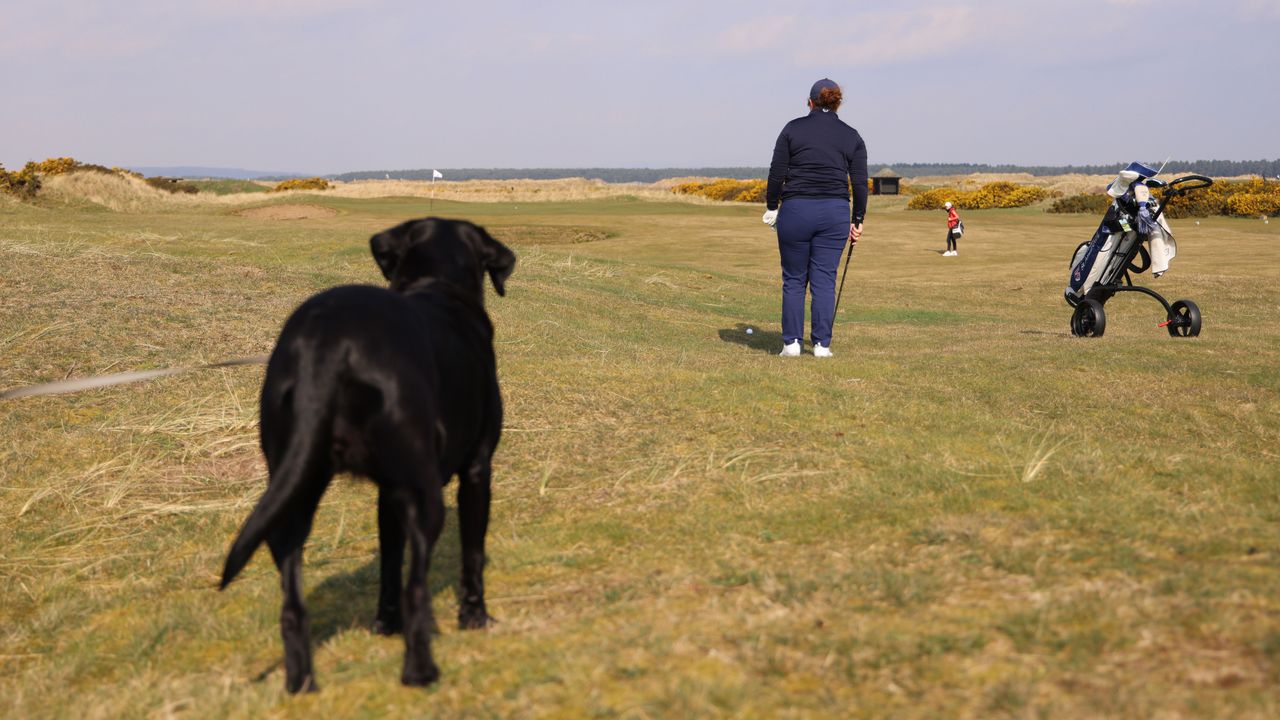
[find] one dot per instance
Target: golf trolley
(1134, 236)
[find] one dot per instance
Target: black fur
(398, 385)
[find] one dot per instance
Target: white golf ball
(749, 331)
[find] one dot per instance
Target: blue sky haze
(327, 86)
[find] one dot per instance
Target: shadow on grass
(769, 341)
(349, 600)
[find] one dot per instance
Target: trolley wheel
(1089, 319)
(1184, 319)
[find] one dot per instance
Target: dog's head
(455, 252)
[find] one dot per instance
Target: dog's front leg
(473, 525)
(423, 519)
(391, 556)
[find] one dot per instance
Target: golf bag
(1134, 236)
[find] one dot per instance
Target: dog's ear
(495, 258)
(390, 246)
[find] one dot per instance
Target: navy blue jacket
(816, 156)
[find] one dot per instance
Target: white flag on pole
(436, 174)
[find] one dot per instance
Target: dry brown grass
(965, 513)
(569, 189)
(128, 194)
(125, 193)
(292, 211)
(120, 193)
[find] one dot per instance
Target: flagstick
(432, 209)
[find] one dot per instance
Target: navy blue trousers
(811, 237)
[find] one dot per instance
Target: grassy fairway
(966, 512)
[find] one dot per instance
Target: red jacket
(952, 218)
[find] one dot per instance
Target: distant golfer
(955, 228)
(815, 162)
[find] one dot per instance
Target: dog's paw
(387, 624)
(306, 684)
(421, 676)
(474, 617)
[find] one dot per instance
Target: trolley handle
(1180, 185)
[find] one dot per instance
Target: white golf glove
(770, 217)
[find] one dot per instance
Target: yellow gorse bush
(1249, 204)
(1225, 197)
(311, 183)
(55, 166)
(1247, 198)
(22, 183)
(992, 195)
(724, 189)
(727, 189)
(63, 165)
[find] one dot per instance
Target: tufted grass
(965, 513)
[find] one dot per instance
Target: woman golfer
(815, 162)
(954, 229)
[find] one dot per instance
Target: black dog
(400, 386)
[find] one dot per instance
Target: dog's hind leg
(311, 471)
(388, 620)
(286, 543)
(408, 475)
(423, 515)
(473, 525)
(286, 540)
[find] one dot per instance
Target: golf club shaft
(844, 275)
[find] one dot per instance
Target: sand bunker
(288, 212)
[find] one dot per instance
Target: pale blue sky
(327, 86)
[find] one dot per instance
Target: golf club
(844, 275)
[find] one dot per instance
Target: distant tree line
(1214, 168)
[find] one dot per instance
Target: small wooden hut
(885, 182)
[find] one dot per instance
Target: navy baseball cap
(818, 87)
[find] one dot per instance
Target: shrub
(991, 195)
(311, 183)
(725, 189)
(1248, 204)
(173, 185)
(64, 165)
(54, 166)
(24, 183)
(1247, 198)
(1242, 198)
(228, 187)
(1091, 203)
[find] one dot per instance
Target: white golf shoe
(792, 350)
(821, 350)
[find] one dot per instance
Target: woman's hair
(828, 99)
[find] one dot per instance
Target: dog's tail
(300, 477)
